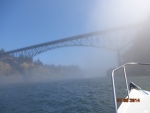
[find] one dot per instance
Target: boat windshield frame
(125, 77)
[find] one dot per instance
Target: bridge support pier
(119, 58)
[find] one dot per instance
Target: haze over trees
(140, 50)
(27, 69)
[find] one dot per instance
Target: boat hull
(139, 102)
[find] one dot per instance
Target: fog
(112, 13)
(93, 62)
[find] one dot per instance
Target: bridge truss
(116, 39)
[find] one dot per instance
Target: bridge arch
(113, 39)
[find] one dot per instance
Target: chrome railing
(126, 81)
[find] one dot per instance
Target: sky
(29, 22)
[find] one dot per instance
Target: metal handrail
(124, 69)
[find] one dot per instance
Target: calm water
(70, 96)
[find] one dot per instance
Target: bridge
(115, 39)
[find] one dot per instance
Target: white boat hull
(142, 105)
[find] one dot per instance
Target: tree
(38, 62)
(2, 51)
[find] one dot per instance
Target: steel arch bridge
(116, 39)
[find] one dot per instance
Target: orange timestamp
(128, 100)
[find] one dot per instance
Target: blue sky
(34, 21)
(28, 22)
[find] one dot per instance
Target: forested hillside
(27, 68)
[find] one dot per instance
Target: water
(68, 96)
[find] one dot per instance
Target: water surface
(67, 96)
